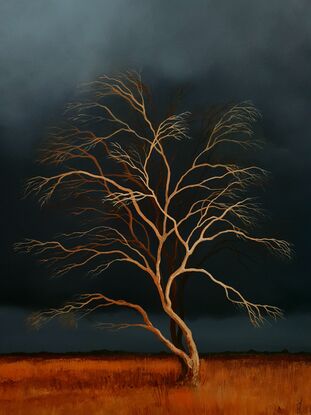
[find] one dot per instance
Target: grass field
(137, 385)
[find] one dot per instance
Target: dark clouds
(219, 51)
(262, 48)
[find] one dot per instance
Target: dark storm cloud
(220, 51)
(46, 49)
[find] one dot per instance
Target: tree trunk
(190, 356)
(191, 371)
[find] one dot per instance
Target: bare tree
(112, 176)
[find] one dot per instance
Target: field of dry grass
(136, 385)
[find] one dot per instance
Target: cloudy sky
(218, 52)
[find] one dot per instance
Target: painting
(155, 215)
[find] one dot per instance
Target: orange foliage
(124, 385)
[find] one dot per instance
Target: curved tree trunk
(190, 366)
(190, 373)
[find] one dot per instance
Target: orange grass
(121, 385)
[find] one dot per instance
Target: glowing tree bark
(116, 176)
